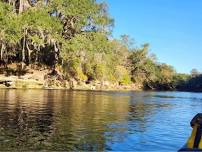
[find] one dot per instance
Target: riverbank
(45, 80)
(41, 80)
(35, 84)
(35, 77)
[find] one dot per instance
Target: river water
(95, 121)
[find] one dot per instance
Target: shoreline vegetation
(68, 44)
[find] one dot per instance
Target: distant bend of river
(95, 121)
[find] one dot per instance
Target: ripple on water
(95, 121)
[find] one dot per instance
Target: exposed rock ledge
(43, 79)
(14, 82)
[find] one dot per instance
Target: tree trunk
(56, 54)
(29, 53)
(2, 50)
(14, 7)
(21, 6)
(23, 45)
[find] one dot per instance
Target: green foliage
(165, 76)
(38, 18)
(142, 66)
(193, 84)
(122, 75)
(75, 35)
(180, 80)
(10, 28)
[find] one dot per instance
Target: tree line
(74, 37)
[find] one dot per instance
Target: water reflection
(58, 120)
(81, 120)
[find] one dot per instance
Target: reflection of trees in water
(84, 120)
(12, 121)
(137, 115)
(22, 125)
(67, 120)
(138, 112)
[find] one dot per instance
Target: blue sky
(172, 27)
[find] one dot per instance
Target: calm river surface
(99, 121)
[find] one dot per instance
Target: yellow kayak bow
(194, 142)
